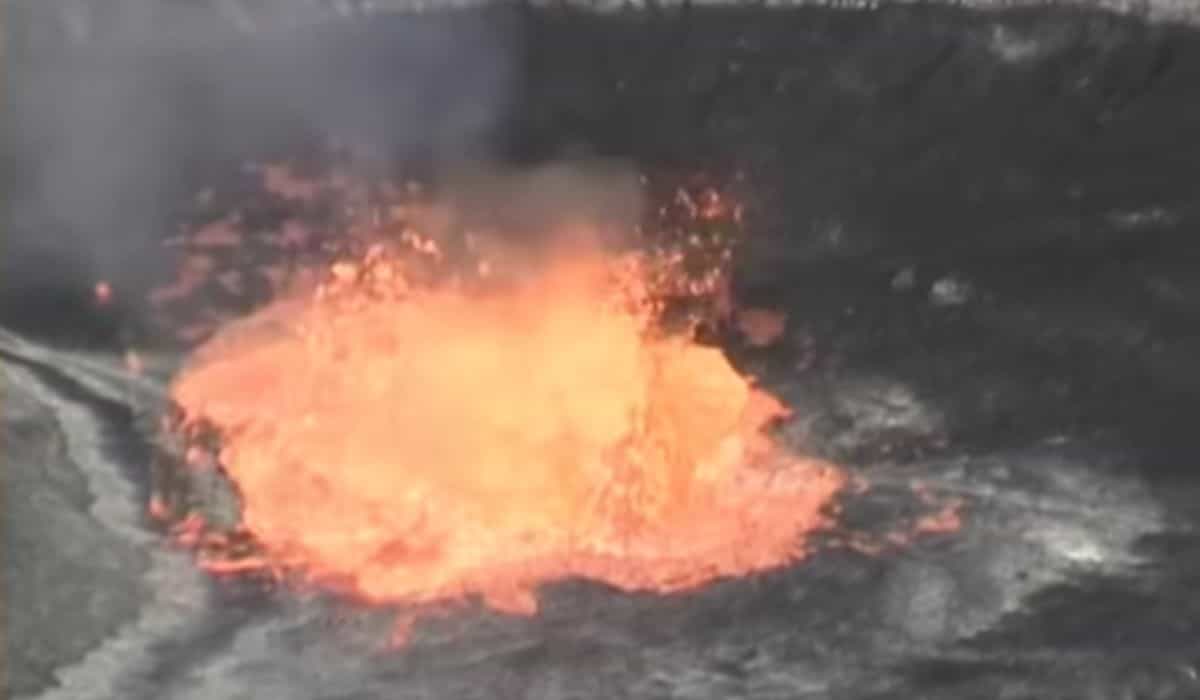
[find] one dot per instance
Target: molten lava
(412, 437)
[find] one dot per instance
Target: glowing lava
(418, 442)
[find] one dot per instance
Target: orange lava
(419, 448)
(410, 437)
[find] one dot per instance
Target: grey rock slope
(71, 582)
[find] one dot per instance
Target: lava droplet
(102, 293)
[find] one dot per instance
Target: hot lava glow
(412, 437)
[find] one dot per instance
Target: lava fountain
(410, 436)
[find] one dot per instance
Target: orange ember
(102, 293)
(415, 438)
(761, 327)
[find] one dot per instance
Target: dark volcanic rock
(71, 582)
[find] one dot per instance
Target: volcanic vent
(432, 414)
